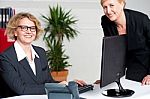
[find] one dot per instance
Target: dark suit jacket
(138, 42)
(19, 76)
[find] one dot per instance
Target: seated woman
(23, 66)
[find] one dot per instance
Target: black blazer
(138, 42)
(19, 76)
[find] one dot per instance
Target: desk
(141, 92)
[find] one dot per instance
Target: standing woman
(136, 27)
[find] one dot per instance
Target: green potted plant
(59, 25)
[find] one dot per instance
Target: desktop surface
(141, 92)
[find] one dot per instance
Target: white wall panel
(85, 50)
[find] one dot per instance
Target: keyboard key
(85, 88)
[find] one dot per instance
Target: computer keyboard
(85, 88)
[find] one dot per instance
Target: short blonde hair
(120, 1)
(14, 22)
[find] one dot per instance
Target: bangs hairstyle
(120, 1)
(14, 22)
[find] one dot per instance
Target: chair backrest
(4, 43)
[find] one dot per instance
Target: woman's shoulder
(38, 48)
(8, 50)
(134, 13)
(105, 18)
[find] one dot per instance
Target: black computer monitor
(113, 65)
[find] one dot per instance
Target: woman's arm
(12, 78)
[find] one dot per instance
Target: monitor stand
(118, 92)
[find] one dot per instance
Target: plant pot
(60, 75)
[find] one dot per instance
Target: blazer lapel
(27, 67)
(24, 63)
(130, 27)
(38, 69)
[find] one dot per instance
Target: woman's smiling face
(113, 9)
(26, 31)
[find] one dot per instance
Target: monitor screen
(113, 63)
(113, 59)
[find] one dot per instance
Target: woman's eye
(24, 27)
(111, 5)
(104, 7)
